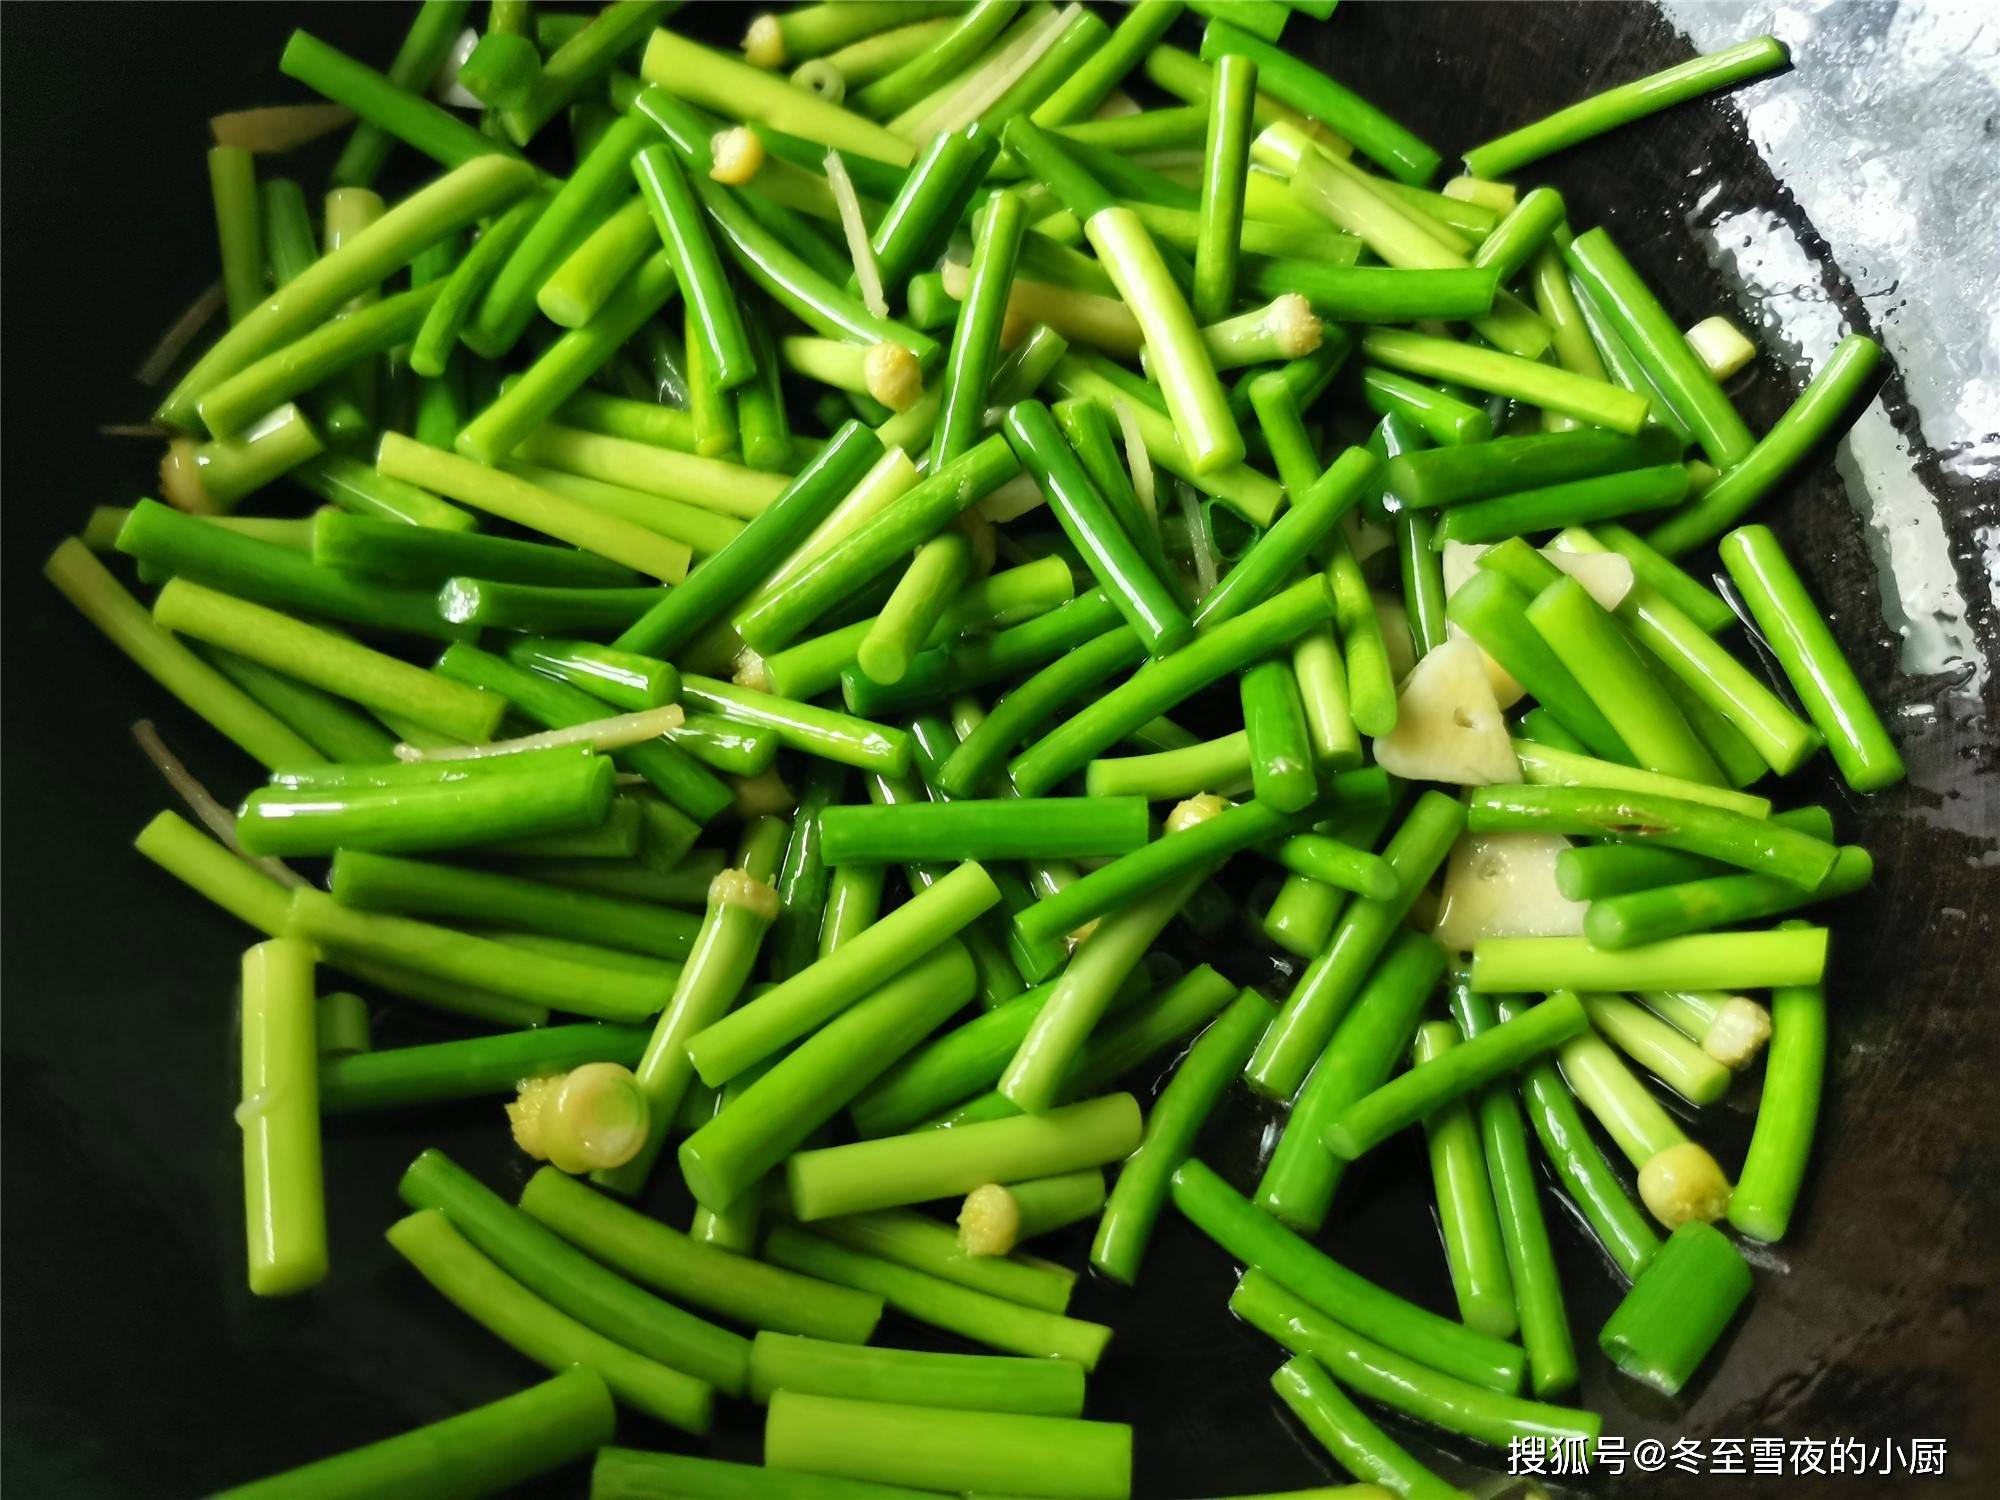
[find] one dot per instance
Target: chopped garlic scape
(1504, 885)
(992, 78)
(601, 734)
(1448, 726)
(866, 272)
(818, 76)
(1605, 576)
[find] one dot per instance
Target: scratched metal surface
(1859, 191)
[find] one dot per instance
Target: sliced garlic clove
(1448, 725)
(1504, 885)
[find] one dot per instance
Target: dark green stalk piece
(1226, 646)
(1172, 1127)
(479, 187)
(1516, 1187)
(556, 705)
(764, 427)
(1578, 502)
(731, 1286)
(232, 405)
(725, 343)
(482, 1451)
(524, 1321)
(1378, 294)
(1282, 768)
(1620, 105)
(1114, 557)
(1261, 1243)
(374, 882)
(975, 342)
(1494, 612)
(1382, 1375)
(979, 1382)
(1621, 1226)
(1833, 391)
(1130, 41)
(598, 183)
(1356, 1443)
(426, 555)
(1445, 419)
(571, 1281)
(1452, 1073)
(1653, 915)
(1754, 844)
(1299, 84)
(1608, 667)
(834, 576)
(732, 573)
(395, 109)
(1767, 1189)
(433, 31)
(1332, 981)
(1016, 828)
(528, 402)
(974, 31)
(1677, 1308)
(1814, 664)
(337, 730)
(276, 575)
(581, 60)
(1644, 325)
(1225, 167)
(930, 202)
(477, 1067)
(1516, 238)
(1452, 474)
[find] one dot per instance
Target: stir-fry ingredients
(840, 582)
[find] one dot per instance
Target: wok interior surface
(137, 1364)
